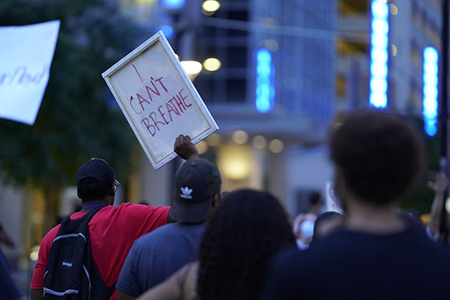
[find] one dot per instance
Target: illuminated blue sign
(379, 54)
(265, 91)
(430, 90)
(167, 30)
(173, 4)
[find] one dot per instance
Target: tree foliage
(78, 118)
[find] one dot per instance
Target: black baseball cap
(100, 173)
(195, 184)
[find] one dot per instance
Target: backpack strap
(88, 216)
(105, 292)
(68, 225)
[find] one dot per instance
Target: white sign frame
(138, 129)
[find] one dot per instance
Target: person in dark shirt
(377, 254)
(5, 238)
(8, 289)
(159, 254)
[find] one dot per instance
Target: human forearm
(435, 214)
(439, 187)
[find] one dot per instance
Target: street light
(211, 6)
(192, 68)
(212, 64)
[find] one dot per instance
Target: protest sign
(158, 99)
(26, 53)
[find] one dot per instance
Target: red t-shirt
(112, 231)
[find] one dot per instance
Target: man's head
(196, 190)
(96, 181)
(377, 156)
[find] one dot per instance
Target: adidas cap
(195, 184)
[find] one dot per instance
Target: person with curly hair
(246, 230)
(378, 253)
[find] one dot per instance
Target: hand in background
(441, 184)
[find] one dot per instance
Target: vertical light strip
(430, 89)
(379, 54)
(265, 91)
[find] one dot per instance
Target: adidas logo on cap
(186, 193)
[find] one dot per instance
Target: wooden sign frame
(168, 60)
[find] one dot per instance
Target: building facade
(414, 25)
(287, 70)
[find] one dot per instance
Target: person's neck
(374, 219)
(87, 206)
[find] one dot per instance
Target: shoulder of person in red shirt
(112, 232)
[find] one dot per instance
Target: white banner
(26, 54)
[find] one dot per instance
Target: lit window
(240, 137)
(393, 9)
(276, 146)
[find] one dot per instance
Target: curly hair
(379, 155)
(245, 231)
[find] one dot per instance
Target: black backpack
(71, 272)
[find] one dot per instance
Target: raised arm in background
(439, 187)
